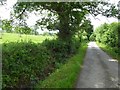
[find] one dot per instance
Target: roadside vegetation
(110, 51)
(67, 74)
(30, 60)
(26, 63)
(107, 37)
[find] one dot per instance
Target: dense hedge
(61, 50)
(108, 34)
(26, 63)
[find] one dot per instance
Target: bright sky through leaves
(5, 14)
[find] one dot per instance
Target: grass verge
(110, 51)
(67, 74)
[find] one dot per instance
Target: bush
(61, 50)
(92, 37)
(108, 34)
(25, 63)
(67, 74)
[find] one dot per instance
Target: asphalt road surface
(99, 70)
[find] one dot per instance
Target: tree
(23, 30)
(88, 27)
(100, 30)
(6, 25)
(108, 34)
(69, 14)
(26, 30)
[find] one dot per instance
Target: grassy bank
(66, 75)
(111, 51)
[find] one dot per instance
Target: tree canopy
(70, 15)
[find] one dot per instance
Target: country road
(99, 70)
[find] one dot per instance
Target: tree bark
(64, 30)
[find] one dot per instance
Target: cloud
(10, 3)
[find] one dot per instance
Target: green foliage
(67, 74)
(26, 30)
(108, 34)
(100, 32)
(118, 35)
(25, 63)
(92, 37)
(23, 30)
(61, 50)
(6, 25)
(69, 14)
(114, 52)
(18, 30)
(88, 28)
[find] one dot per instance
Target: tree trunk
(64, 30)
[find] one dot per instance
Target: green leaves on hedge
(108, 34)
(26, 63)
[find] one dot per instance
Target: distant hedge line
(26, 63)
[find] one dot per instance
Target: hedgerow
(108, 35)
(26, 63)
(61, 50)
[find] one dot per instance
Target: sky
(5, 14)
